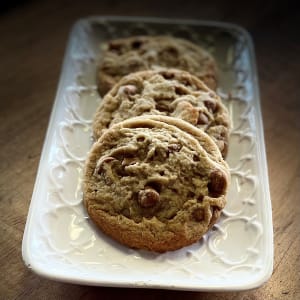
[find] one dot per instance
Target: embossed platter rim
(59, 240)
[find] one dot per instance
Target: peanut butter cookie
(152, 185)
(168, 92)
(128, 55)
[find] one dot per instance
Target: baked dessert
(127, 55)
(169, 92)
(155, 183)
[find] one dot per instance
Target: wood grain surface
(33, 39)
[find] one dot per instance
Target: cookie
(168, 92)
(152, 185)
(127, 55)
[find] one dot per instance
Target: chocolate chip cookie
(152, 185)
(128, 55)
(168, 92)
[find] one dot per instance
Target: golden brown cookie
(152, 185)
(127, 55)
(168, 92)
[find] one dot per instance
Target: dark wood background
(33, 36)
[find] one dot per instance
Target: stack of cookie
(156, 178)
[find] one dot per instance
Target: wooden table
(33, 39)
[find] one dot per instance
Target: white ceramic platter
(60, 242)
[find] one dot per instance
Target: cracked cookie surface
(168, 92)
(127, 55)
(152, 185)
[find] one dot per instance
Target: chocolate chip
(140, 139)
(200, 198)
(179, 90)
(211, 105)
(191, 195)
(186, 82)
(171, 51)
(202, 118)
(198, 214)
(196, 157)
(162, 106)
(148, 197)
(167, 75)
(115, 47)
(136, 44)
(217, 184)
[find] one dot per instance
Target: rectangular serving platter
(60, 242)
